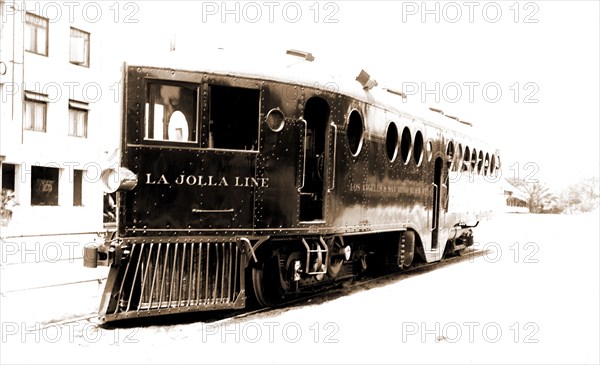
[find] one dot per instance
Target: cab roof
(302, 68)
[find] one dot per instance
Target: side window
(391, 141)
(355, 132)
(474, 161)
(450, 155)
(466, 159)
(170, 113)
(405, 145)
(458, 158)
(418, 148)
(233, 118)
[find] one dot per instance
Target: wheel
(407, 241)
(265, 283)
(461, 252)
(338, 253)
(346, 283)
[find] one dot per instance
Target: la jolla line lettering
(206, 181)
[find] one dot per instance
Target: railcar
(258, 182)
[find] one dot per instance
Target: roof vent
(365, 80)
(458, 120)
(396, 92)
(306, 55)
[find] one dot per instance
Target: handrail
(249, 244)
(333, 166)
(436, 207)
(303, 153)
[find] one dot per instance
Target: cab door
(316, 164)
(230, 146)
(281, 138)
(293, 159)
(439, 200)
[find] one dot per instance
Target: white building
(50, 148)
(515, 198)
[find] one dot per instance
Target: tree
(539, 197)
(581, 197)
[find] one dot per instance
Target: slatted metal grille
(180, 277)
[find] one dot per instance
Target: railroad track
(357, 285)
(217, 318)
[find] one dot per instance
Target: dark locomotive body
(269, 185)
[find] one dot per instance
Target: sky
(526, 74)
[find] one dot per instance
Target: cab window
(170, 112)
(233, 118)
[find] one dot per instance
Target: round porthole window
(355, 132)
(418, 148)
(405, 145)
(458, 158)
(466, 159)
(391, 141)
(429, 150)
(450, 154)
(486, 164)
(275, 120)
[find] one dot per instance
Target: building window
(80, 48)
(35, 112)
(7, 197)
(77, 188)
(8, 176)
(8, 190)
(78, 119)
(44, 185)
(36, 34)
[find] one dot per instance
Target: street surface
(531, 297)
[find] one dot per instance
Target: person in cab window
(178, 127)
